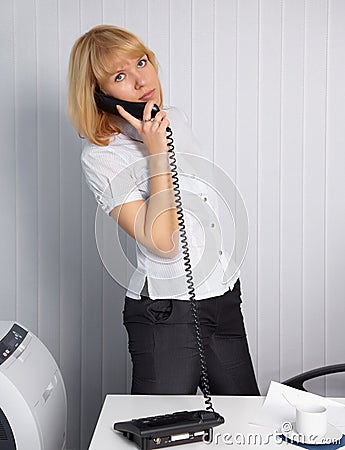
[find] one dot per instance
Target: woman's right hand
(152, 132)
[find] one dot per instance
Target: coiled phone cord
(189, 275)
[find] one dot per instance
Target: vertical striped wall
(262, 82)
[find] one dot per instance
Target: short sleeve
(109, 178)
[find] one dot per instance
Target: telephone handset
(108, 104)
(180, 427)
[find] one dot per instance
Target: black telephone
(108, 104)
(184, 426)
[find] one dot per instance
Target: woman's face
(133, 80)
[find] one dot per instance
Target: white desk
(234, 433)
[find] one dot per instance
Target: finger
(159, 121)
(160, 116)
(165, 123)
(160, 126)
(126, 115)
(148, 110)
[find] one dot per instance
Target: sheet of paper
(276, 409)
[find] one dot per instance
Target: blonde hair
(89, 67)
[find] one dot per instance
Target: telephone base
(184, 427)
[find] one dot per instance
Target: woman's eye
(119, 77)
(142, 62)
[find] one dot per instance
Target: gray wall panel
(8, 167)
(315, 113)
(27, 163)
(239, 152)
(334, 195)
(291, 187)
(269, 172)
(48, 175)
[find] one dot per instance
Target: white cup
(311, 420)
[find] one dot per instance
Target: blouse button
(220, 252)
(212, 225)
(205, 199)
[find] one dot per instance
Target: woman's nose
(139, 82)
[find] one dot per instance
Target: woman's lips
(148, 95)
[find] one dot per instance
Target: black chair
(298, 380)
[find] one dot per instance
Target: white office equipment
(33, 405)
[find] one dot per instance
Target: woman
(126, 165)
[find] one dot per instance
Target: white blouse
(119, 173)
